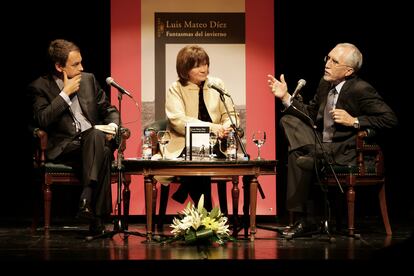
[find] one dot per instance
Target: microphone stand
(246, 156)
(120, 227)
(329, 161)
(234, 127)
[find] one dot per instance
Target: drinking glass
(259, 138)
(164, 137)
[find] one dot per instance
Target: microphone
(110, 81)
(218, 89)
(301, 83)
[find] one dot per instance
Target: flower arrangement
(197, 226)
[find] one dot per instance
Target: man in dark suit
(68, 104)
(343, 104)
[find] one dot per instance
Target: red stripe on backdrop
(260, 103)
(126, 70)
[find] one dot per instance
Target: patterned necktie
(328, 121)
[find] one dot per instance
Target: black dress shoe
(85, 211)
(301, 229)
(97, 227)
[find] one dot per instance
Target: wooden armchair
(368, 171)
(49, 173)
(153, 128)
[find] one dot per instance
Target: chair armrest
(369, 153)
(39, 155)
(125, 133)
(366, 140)
(367, 133)
(42, 139)
(42, 136)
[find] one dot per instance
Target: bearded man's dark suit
(88, 151)
(360, 100)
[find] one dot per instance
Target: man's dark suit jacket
(53, 115)
(360, 100)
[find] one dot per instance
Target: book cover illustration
(197, 140)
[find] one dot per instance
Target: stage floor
(66, 249)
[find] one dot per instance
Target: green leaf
(214, 213)
(204, 233)
(190, 237)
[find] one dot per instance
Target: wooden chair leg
(350, 197)
(384, 212)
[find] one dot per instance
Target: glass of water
(259, 138)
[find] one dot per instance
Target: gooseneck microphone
(110, 81)
(301, 84)
(218, 89)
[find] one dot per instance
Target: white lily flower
(193, 217)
